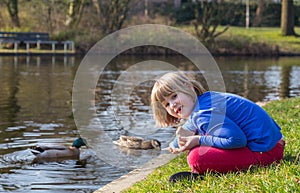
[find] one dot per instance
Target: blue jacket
(230, 121)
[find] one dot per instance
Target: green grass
(237, 38)
(268, 35)
(284, 177)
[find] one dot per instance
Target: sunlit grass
(269, 35)
(284, 177)
(239, 37)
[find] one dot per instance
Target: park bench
(29, 38)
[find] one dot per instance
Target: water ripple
(18, 157)
(85, 175)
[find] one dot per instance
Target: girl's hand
(173, 149)
(186, 143)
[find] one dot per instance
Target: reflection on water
(262, 79)
(35, 107)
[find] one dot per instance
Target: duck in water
(45, 153)
(132, 142)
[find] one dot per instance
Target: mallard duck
(53, 152)
(132, 142)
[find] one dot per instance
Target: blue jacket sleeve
(220, 132)
(175, 142)
(226, 136)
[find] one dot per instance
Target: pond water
(36, 108)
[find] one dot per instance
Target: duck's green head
(79, 142)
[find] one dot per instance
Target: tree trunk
(287, 18)
(49, 16)
(74, 13)
(247, 22)
(258, 13)
(12, 6)
(71, 13)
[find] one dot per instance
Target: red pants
(204, 158)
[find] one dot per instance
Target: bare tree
(112, 14)
(208, 15)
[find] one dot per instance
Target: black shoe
(184, 175)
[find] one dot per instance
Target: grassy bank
(284, 177)
(253, 41)
(262, 41)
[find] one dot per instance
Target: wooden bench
(29, 38)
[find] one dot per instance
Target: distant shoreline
(254, 51)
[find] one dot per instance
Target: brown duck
(132, 142)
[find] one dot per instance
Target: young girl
(229, 132)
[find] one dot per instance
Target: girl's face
(179, 105)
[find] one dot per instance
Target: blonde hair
(165, 86)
